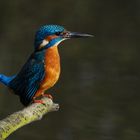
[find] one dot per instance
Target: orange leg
(37, 101)
(38, 94)
(41, 93)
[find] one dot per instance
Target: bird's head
(51, 35)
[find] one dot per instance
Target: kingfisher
(42, 69)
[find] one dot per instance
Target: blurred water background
(98, 90)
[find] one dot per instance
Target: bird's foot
(47, 95)
(37, 101)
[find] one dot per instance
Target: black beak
(76, 35)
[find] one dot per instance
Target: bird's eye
(58, 33)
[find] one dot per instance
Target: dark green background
(98, 90)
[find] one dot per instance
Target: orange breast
(52, 68)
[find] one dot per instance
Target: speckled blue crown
(45, 31)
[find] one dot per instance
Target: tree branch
(29, 114)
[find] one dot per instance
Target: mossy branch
(29, 114)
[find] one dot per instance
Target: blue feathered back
(28, 80)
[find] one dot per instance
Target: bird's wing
(28, 80)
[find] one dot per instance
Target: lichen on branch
(29, 114)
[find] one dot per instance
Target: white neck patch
(44, 43)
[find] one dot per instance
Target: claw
(38, 101)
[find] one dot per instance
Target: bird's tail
(5, 79)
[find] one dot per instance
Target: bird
(42, 69)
